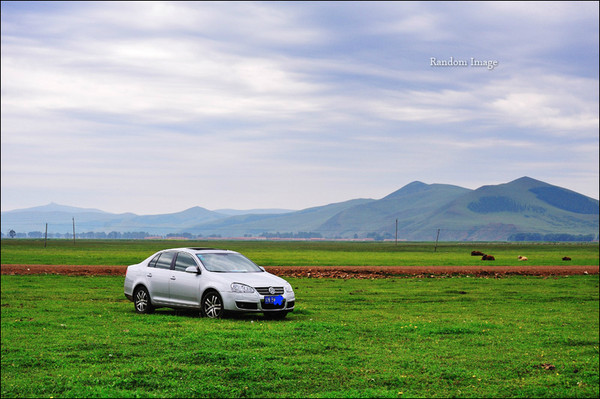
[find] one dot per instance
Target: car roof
(197, 249)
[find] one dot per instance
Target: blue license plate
(274, 300)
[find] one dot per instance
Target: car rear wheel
(212, 305)
(141, 300)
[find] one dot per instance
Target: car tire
(212, 305)
(142, 302)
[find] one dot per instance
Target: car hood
(259, 279)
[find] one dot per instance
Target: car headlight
(288, 288)
(243, 288)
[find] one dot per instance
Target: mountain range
(521, 208)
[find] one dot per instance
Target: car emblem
(271, 290)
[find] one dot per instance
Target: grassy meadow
(440, 337)
(76, 336)
(302, 253)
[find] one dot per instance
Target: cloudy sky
(161, 106)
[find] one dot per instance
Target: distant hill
(234, 212)
(56, 208)
(60, 219)
(519, 210)
(307, 220)
(166, 223)
(412, 206)
(502, 211)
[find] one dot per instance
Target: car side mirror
(193, 269)
(262, 268)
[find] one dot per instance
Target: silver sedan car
(214, 281)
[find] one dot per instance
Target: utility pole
(46, 236)
(436, 240)
(396, 231)
(73, 231)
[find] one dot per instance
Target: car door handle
(173, 278)
(149, 275)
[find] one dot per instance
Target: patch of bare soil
(345, 272)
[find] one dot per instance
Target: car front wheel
(212, 305)
(141, 300)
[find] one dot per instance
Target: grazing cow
(566, 258)
(487, 257)
(522, 257)
(476, 253)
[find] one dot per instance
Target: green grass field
(65, 336)
(288, 253)
(445, 337)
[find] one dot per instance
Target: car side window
(165, 260)
(184, 261)
(152, 263)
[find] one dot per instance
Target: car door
(184, 287)
(158, 277)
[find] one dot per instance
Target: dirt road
(365, 272)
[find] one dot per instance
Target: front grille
(265, 290)
(272, 306)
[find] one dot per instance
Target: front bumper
(255, 302)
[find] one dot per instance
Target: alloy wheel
(212, 306)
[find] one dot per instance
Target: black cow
(487, 257)
(566, 258)
(477, 253)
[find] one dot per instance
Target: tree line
(138, 235)
(100, 235)
(552, 237)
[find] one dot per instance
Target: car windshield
(228, 263)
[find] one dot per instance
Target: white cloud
(556, 104)
(118, 97)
